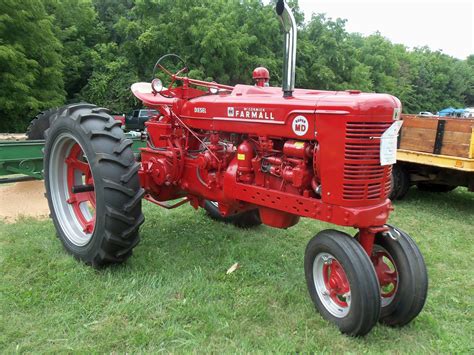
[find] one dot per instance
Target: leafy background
(60, 51)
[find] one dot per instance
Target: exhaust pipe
(289, 25)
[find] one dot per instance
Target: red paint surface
(194, 151)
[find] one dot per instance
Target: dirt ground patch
(12, 136)
(23, 199)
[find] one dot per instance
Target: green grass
(174, 294)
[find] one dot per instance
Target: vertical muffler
(289, 25)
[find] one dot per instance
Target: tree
(109, 84)
(93, 50)
(77, 26)
(109, 12)
(31, 68)
(469, 73)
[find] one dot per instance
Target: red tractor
(248, 155)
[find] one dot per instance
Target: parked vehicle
(135, 121)
(426, 114)
(435, 154)
(468, 112)
(120, 118)
(270, 154)
(451, 112)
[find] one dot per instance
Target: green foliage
(326, 58)
(78, 29)
(31, 68)
(93, 50)
(109, 84)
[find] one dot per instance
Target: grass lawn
(174, 295)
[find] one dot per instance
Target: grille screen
(364, 177)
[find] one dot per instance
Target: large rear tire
(40, 124)
(92, 185)
(247, 219)
(342, 282)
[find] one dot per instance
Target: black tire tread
(400, 182)
(357, 259)
(110, 184)
(38, 126)
(413, 296)
(85, 117)
(94, 134)
(131, 173)
(123, 145)
(129, 206)
(119, 216)
(113, 160)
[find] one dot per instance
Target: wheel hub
(336, 282)
(72, 189)
(387, 274)
(331, 284)
(77, 167)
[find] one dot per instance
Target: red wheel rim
(82, 203)
(387, 273)
(332, 284)
(336, 282)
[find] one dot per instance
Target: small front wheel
(402, 275)
(342, 282)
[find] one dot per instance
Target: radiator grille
(364, 177)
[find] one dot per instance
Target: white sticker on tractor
(396, 113)
(388, 144)
(300, 125)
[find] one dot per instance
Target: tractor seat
(144, 93)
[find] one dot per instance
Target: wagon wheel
(92, 185)
(400, 182)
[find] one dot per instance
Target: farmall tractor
(248, 155)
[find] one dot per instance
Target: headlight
(157, 85)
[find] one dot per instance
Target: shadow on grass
(458, 201)
(184, 239)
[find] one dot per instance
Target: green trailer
(22, 160)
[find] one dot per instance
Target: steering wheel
(158, 65)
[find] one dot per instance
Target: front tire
(402, 275)
(92, 185)
(342, 282)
